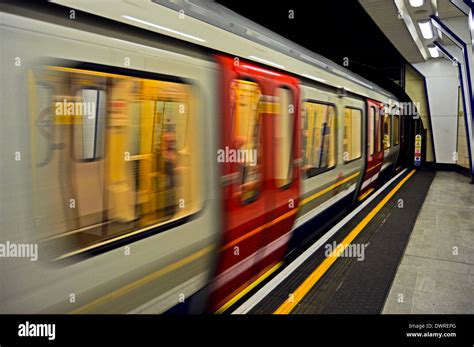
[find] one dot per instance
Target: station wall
(442, 84)
(415, 88)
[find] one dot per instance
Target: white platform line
(288, 270)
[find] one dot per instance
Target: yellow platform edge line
(310, 281)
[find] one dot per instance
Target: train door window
(319, 137)
(371, 130)
(89, 111)
(284, 138)
(386, 131)
(246, 137)
(352, 140)
(396, 134)
(378, 132)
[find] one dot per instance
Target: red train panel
(260, 114)
(375, 149)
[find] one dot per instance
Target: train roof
(196, 22)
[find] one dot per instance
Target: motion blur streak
(151, 277)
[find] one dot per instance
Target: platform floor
(436, 273)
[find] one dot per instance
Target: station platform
(436, 273)
(394, 253)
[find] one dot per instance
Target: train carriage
(164, 171)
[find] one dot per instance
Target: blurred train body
(110, 144)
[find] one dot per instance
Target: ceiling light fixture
(416, 3)
(434, 52)
(426, 29)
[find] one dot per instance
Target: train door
(375, 149)
(260, 181)
(281, 125)
(390, 139)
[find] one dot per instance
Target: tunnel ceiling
(386, 15)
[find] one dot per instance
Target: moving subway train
(157, 158)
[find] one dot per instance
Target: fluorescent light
(266, 61)
(416, 3)
(434, 52)
(164, 28)
(426, 29)
(261, 70)
(315, 78)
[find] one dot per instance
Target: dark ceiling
(335, 29)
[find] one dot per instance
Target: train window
(89, 125)
(319, 137)
(378, 131)
(396, 129)
(352, 140)
(386, 131)
(142, 153)
(284, 138)
(246, 136)
(371, 130)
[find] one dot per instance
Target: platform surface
(436, 273)
(352, 284)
